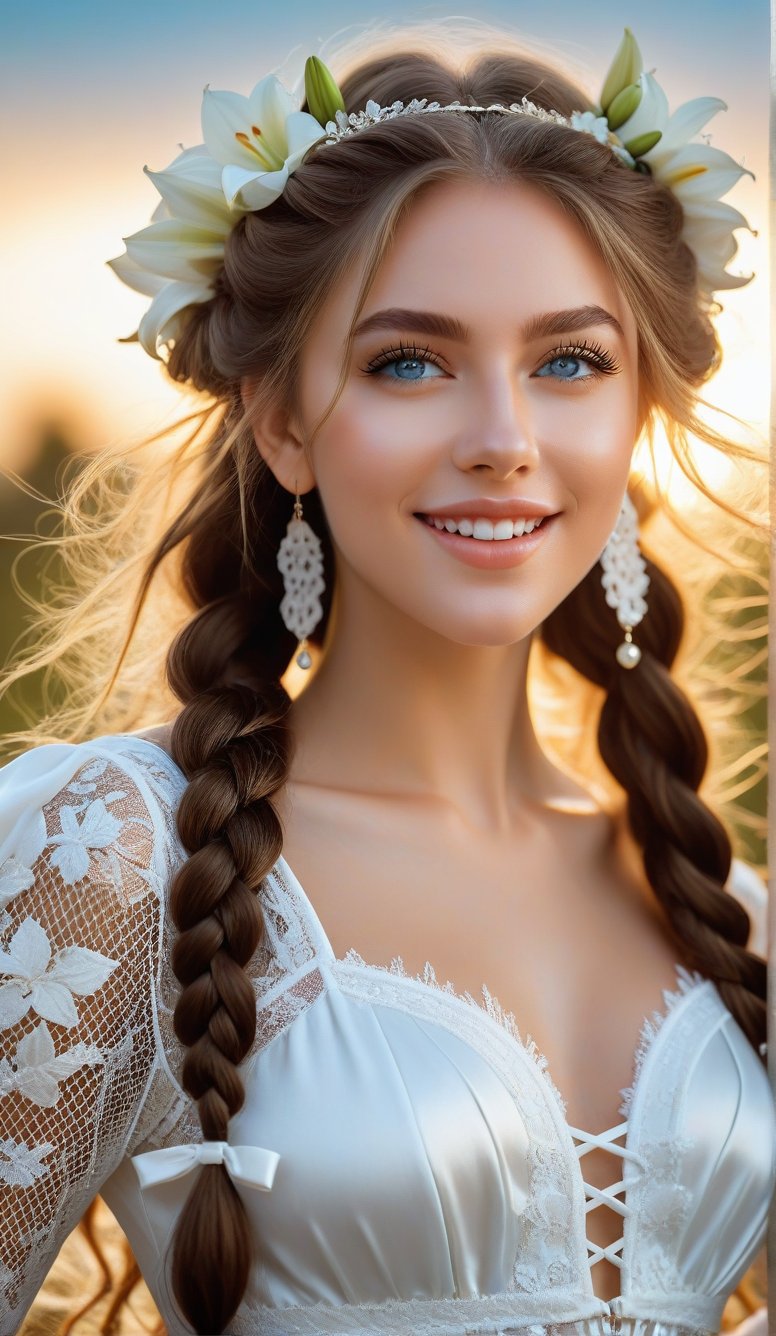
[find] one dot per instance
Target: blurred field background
(91, 92)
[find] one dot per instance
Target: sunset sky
(93, 92)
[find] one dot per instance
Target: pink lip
(494, 556)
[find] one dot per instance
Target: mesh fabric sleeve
(79, 934)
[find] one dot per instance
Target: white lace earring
(625, 579)
(300, 561)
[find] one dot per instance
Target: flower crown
(253, 144)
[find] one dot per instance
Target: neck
(396, 710)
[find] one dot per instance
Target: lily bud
(643, 143)
(624, 69)
(323, 95)
(622, 107)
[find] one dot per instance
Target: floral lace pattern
(80, 921)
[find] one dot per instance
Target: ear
(278, 442)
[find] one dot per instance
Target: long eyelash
(592, 353)
(401, 353)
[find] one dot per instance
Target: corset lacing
(607, 1196)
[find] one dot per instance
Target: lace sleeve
(748, 886)
(79, 931)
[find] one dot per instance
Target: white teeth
(485, 529)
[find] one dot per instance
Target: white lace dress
(403, 1154)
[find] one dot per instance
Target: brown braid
(652, 741)
(232, 743)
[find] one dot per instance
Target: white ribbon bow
(252, 1165)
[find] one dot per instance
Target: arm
(78, 940)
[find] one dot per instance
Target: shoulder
(751, 890)
(84, 808)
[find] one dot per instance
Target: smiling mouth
(485, 530)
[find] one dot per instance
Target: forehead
(490, 253)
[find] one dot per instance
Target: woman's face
(491, 410)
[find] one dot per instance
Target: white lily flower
(697, 174)
(258, 140)
(184, 243)
(251, 146)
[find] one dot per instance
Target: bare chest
(561, 926)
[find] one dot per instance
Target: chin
(495, 634)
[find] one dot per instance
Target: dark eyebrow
(448, 327)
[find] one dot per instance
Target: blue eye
(410, 360)
(597, 359)
(413, 366)
(566, 367)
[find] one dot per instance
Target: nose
(500, 433)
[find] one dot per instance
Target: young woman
(432, 341)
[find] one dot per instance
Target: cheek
(372, 458)
(592, 461)
(592, 439)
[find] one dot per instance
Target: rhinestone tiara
(343, 125)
